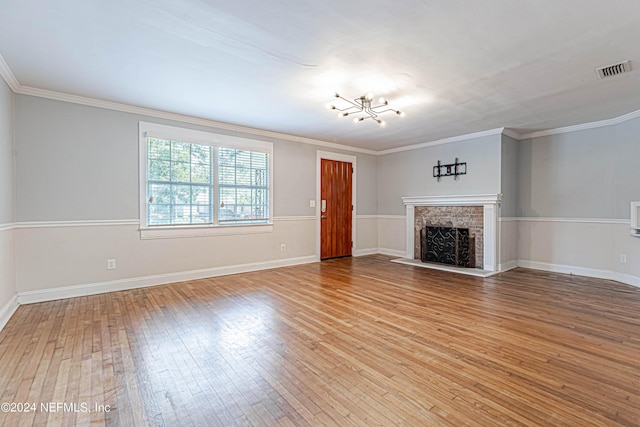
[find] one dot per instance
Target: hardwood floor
(353, 341)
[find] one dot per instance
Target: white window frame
(199, 137)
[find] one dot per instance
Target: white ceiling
(454, 66)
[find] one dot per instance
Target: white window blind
(244, 185)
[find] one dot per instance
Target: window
(193, 179)
(243, 178)
(179, 182)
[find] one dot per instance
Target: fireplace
(470, 218)
(481, 220)
(447, 245)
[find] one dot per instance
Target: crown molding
(583, 126)
(569, 129)
(8, 76)
(629, 116)
(512, 133)
(497, 131)
(110, 105)
(16, 87)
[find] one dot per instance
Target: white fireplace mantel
(491, 208)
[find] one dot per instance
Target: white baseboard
(392, 252)
(363, 252)
(581, 271)
(628, 279)
(567, 269)
(30, 297)
(510, 265)
(383, 251)
(7, 310)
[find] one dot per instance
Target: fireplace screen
(447, 245)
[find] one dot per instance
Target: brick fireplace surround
(479, 213)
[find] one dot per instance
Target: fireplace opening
(447, 245)
(461, 217)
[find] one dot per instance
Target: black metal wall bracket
(452, 169)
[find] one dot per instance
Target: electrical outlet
(283, 247)
(111, 264)
(623, 258)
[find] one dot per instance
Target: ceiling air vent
(614, 70)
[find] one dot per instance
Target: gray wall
(367, 184)
(593, 173)
(6, 155)
(509, 177)
(627, 167)
(7, 195)
(295, 179)
(410, 173)
(75, 162)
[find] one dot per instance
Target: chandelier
(363, 108)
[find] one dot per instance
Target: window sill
(173, 232)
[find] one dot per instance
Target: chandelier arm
(388, 109)
(355, 104)
(345, 109)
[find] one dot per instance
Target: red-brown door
(336, 208)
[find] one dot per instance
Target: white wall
(392, 235)
(367, 235)
(575, 190)
(78, 163)
(51, 258)
(7, 206)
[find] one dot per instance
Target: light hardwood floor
(354, 341)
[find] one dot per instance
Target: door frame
(328, 155)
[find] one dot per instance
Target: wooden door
(336, 208)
